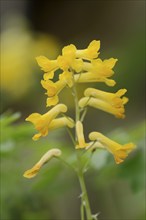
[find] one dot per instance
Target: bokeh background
(30, 28)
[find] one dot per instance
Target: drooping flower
(105, 101)
(80, 136)
(55, 152)
(42, 122)
(120, 152)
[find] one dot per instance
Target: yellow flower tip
(129, 147)
(31, 172)
(110, 82)
(46, 64)
(69, 50)
(93, 48)
(125, 100)
(34, 117)
(49, 75)
(36, 136)
(70, 122)
(59, 108)
(121, 92)
(83, 102)
(91, 52)
(110, 63)
(55, 152)
(51, 101)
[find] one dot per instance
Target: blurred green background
(33, 28)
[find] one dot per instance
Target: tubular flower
(113, 98)
(105, 101)
(120, 152)
(97, 71)
(91, 52)
(80, 136)
(55, 152)
(42, 122)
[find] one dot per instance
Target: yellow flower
(55, 152)
(120, 152)
(42, 122)
(46, 64)
(97, 71)
(90, 77)
(91, 52)
(80, 136)
(68, 59)
(113, 98)
(108, 102)
(53, 89)
(67, 77)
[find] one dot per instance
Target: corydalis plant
(79, 66)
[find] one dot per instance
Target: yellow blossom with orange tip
(91, 52)
(120, 152)
(42, 122)
(55, 152)
(80, 136)
(105, 101)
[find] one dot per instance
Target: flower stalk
(77, 67)
(85, 205)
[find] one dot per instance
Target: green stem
(85, 205)
(85, 200)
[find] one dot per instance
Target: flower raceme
(78, 66)
(120, 152)
(44, 123)
(55, 152)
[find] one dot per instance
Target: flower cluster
(80, 66)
